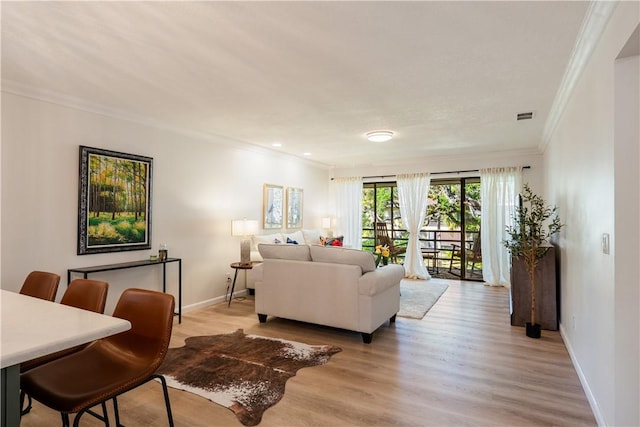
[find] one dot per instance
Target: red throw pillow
(334, 241)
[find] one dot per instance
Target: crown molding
(57, 98)
(592, 28)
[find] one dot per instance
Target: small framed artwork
(114, 201)
(272, 206)
(294, 207)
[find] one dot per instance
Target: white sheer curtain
(413, 190)
(499, 189)
(348, 197)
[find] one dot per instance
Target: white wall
(200, 185)
(580, 178)
(627, 245)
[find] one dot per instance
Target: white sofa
(329, 286)
(301, 237)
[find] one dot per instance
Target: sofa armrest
(380, 279)
(256, 272)
(255, 256)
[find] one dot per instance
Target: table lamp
(326, 224)
(244, 228)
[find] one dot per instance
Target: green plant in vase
(534, 224)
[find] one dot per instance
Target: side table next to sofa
(239, 266)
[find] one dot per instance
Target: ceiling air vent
(525, 116)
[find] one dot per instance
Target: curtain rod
(434, 173)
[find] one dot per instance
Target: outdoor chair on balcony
(473, 255)
(383, 238)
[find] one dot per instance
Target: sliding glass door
(380, 204)
(450, 234)
(452, 228)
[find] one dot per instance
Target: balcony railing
(444, 245)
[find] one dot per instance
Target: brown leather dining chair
(86, 294)
(41, 284)
(110, 366)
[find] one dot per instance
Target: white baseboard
(212, 301)
(583, 380)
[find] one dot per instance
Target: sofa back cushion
(311, 237)
(266, 238)
(337, 255)
(293, 252)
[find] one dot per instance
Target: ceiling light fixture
(379, 135)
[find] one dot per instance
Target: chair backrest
(41, 284)
(151, 317)
(382, 234)
(86, 294)
(381, 229)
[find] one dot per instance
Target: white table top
(31, 327)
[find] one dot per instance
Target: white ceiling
(447, 77)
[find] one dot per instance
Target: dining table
(32, 327)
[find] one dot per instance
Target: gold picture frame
(294, 207)
(272, 206)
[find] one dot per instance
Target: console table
(85, 271)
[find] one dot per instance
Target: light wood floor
(462, 365)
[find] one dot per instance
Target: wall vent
(525, 116)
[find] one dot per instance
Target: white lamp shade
(326, 222)
(244, 227)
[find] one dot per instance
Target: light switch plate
(605, 243)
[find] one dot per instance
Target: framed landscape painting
(272, 205)
(114, 201)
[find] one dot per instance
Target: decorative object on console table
(294, 208)
(163, 252)
(244, 228)
(272, 203)
(118, 219)
(534, 224)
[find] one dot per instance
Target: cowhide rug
(245, 373)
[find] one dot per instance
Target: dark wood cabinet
(546, 293)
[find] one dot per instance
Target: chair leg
(104, 413)
(26, 410)
(165, 391)
(115, 410)
(104, 418)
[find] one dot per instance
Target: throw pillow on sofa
(332, 241)
(295, 237)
